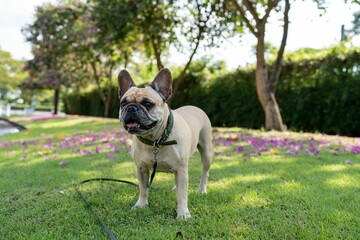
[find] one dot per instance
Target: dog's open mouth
(133, 127)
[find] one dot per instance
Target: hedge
(314, 94)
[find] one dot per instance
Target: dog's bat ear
(125, 82)
(162, 83)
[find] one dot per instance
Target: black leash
(160, 142)
(108, 231)
(156, 144)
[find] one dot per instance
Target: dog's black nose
(132, 108)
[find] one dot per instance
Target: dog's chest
(167, 159)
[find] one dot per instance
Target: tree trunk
(107, 109)
(102, 94)
(273, 120)
(157, 54)
(56, 101)
(107, 101)
(265, 87)
(274, 78)
(109, 98)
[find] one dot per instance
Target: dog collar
(162, 140)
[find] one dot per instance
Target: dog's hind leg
(206, 152)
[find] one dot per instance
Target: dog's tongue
(132, 125)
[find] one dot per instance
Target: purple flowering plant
(247, 144)
(266, 181)
(109, 142)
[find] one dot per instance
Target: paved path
(7, 126)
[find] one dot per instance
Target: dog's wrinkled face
(142, 109)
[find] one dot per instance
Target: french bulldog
(167, 137)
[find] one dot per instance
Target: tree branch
(110, 88)
(252, 10)
(97, 80)
(109, 75)
(157, 54)
(243, 16)
(278, 63)
(181, 76)
(270, 7)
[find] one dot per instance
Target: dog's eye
(122, 104)
(147, 104)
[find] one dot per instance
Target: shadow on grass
(48, 128)
(274, 197)
(291, 197)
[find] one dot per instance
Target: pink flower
(111, 156)
(292, 152)
(88, 152)
(355, 149)
(97, 150)
(217, 154)
(239, 149)
(115, 149)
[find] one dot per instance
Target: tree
(10, 74)
(103, 47)
(147, 26)
(356, 23)
(249, 11)
(255, 15)
(204, 22)
(52, 36)
(157, 25)
(69, 51)
(195, 23)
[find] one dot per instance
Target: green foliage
(90, 104)
(321, 93)
(356, 22)
(318, 90)
(229, 99)
(11, 74)
(52, 35)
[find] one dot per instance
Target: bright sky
(307, 29)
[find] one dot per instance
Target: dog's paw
(185, 214)
(201, 191)
(139, 204)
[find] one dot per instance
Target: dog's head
(142, 109)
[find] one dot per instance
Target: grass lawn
(262, 186)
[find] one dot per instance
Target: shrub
(318, 90)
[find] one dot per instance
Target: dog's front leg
(181, 181)
(143, 179)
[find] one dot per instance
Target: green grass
(269, 196)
